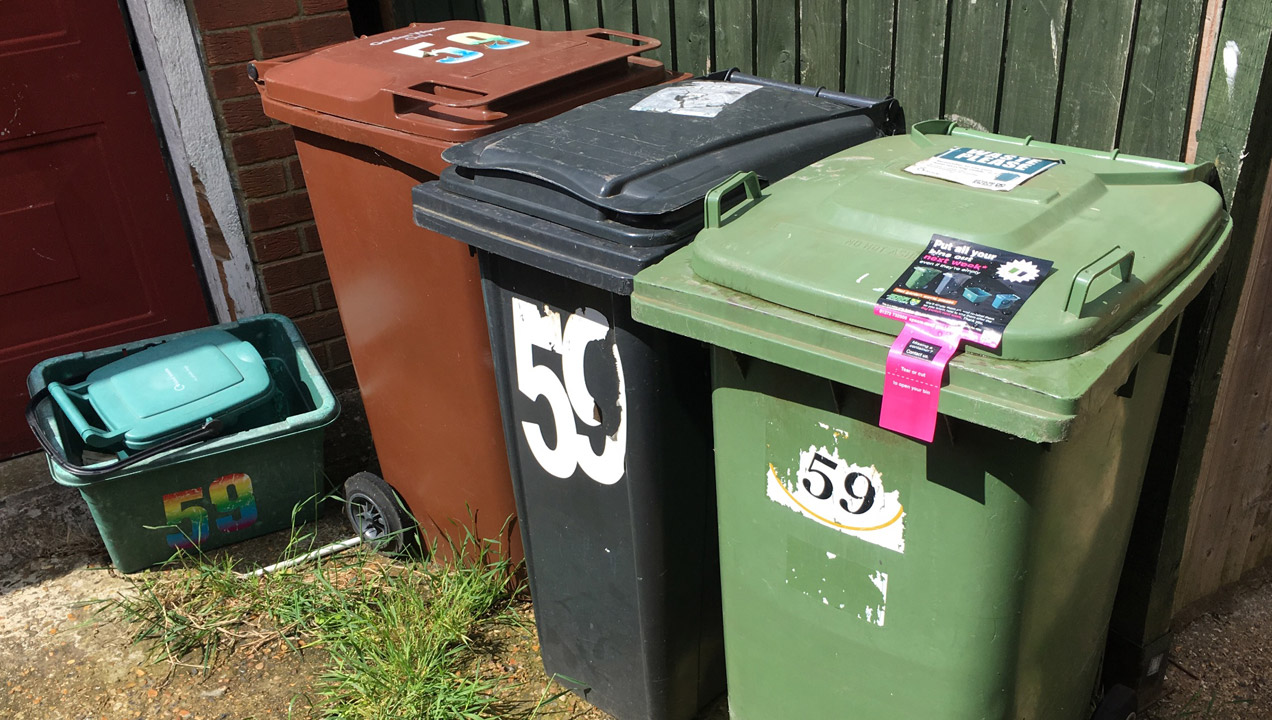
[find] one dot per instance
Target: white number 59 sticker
(568, 396)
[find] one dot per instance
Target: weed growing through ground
(397, 633)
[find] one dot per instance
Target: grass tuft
(397, 634)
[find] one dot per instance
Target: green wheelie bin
(961, 565)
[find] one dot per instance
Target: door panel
(92, 247)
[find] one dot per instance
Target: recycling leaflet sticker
(955, 291)
(972, 289)
(982, 168)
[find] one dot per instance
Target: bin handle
(257, 68)
(711, 203)
(643, 42)
(64, 398)
(886, 112)
(210, 427)
(1122, 260)
(483, 98)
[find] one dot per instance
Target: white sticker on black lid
(702, 98)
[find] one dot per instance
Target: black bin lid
(631, 170)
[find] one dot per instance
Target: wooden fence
(1093, 73)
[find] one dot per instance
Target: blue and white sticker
(982, 169)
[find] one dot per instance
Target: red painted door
(92, 247)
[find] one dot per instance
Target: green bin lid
(828, 240)
(792, 278)
(176, 385)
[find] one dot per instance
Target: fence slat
(521, 13)
(1095, 72)
(776, 54)
(1031, 77)
(1155, 115)
(584, 14)
(493, 11)
(821, 29)
(920, 57)
(653, 18)
(693, 36)
(734, 36)
(617, 14)
(465, 10)
(868, 26)
(976, 54)
(552, 15)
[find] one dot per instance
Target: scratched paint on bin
(839, 585)
(875, 614)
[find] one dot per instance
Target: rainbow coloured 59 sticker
(232, 501)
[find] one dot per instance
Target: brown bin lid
(452, 81)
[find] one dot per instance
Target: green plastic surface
(997, 605)
(162, 390)
(236, 486)
(828, 239)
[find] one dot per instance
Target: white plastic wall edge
(165, 35)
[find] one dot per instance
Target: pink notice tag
(913, 374)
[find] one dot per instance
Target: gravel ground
(1221, 665)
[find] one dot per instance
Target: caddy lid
(168, 387)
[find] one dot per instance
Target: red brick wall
(262, 159)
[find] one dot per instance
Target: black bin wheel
(1119, 703)
(376, 513)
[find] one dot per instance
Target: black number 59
(856, 486)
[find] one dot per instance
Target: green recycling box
(870, 574)
(232, 418)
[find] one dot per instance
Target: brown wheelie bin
(372, 117)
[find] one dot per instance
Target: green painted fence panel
(1095, 72)
(1163, 64)
(653, 18)
(522, 14)
(920, 57)
(693, 36)
(734, 35)
(976, 54)
(552, 15)
(1234, 88)
(466, 9)
(1036, 31)
(820, 48)
(868, 26)
(1092, 73)
(776, 51)
(494, 11)
(618, 15)
(584, 14)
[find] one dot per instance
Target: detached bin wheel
(376, 512)
(1119, 703)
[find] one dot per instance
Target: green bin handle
(1118, 258)
(711, 203)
